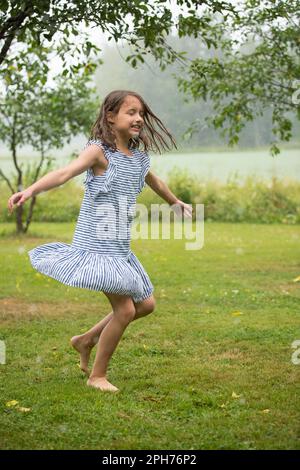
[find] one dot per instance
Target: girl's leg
(84, 343)
(123, 314)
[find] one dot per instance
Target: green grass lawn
(209, 369)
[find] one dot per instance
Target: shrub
(257, 201)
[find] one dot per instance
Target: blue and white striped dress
(99, 257)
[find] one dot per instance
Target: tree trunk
(19, 209)
(19, 215)
(29, 217)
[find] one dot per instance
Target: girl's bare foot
(84, 349)
(101, 383)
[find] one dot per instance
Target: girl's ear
(110, 117)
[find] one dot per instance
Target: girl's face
(130, 118)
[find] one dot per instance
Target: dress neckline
(126, 155)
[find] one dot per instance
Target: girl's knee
(123, 307)
(126, 314)
(146, 306)
(151, 304)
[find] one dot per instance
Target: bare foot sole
(102, 384)
(84, 351)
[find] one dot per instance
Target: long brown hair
(151, 138)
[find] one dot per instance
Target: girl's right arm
(88, 157)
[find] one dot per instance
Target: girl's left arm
(162, 189)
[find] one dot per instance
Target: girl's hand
(181, 207)
(18, 199)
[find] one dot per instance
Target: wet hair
(149, 137)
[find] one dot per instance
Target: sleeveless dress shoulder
(100, 257)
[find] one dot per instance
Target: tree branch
(11, 26)
(7, 181)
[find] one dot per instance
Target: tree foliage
(45, 117)
(31, 24)
(254, 66)
(254, 49)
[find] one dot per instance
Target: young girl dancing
(99, 257)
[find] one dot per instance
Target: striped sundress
(99, 257)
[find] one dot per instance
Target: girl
(98, 257)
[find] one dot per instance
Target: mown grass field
(211, 368)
